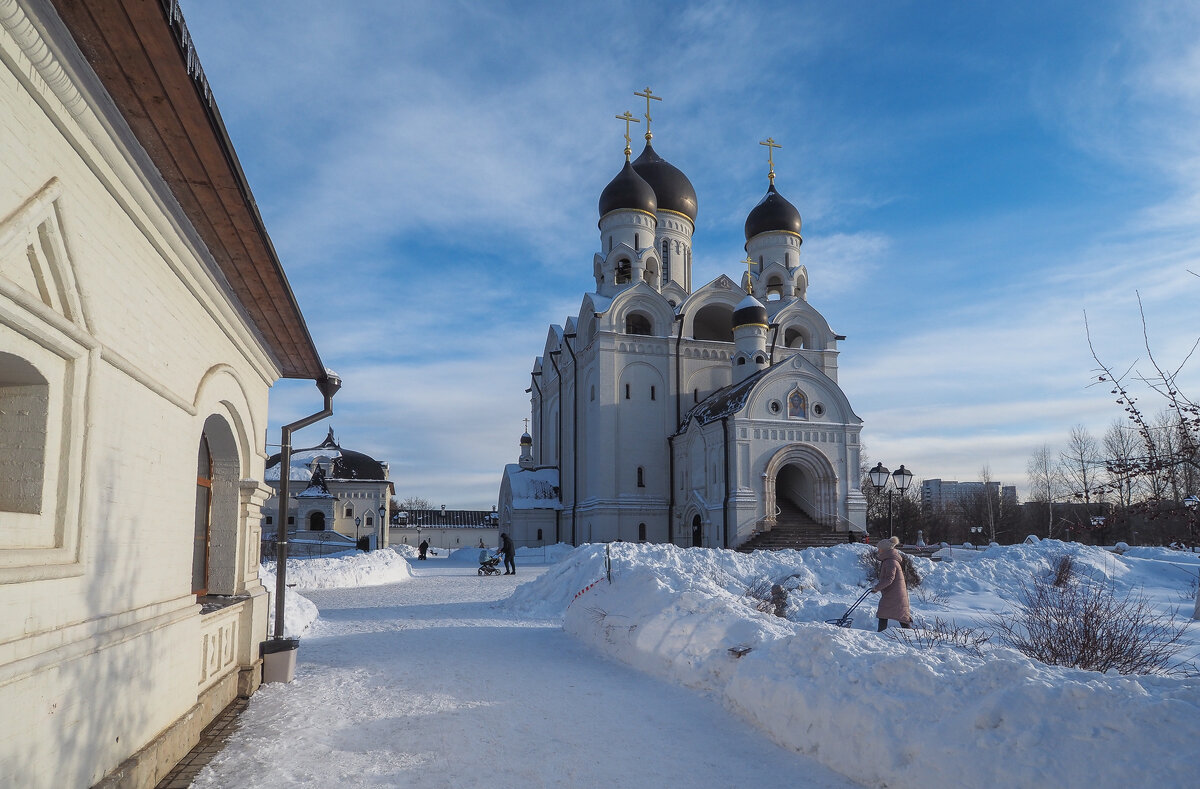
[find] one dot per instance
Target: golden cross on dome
(771, 144)
(648, 95)
(526, 420)
(628, 118)
(749, 275)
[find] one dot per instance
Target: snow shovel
(844, 620)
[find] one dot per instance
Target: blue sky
(973, 178)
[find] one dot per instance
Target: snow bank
(337, 572)
(874, 709)
(298, 611)
(405, 550)
(548, 554)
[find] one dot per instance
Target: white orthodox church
(700, 416)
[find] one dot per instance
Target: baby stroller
(488, 566)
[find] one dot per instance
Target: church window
(641, 532)
(370, 522)
(24, 405)
(626, 391)
(291, 520)
(666, 256)
(775, 406)
(794, 338)
(713, 322)
(268, 520)
(818, 409)
(797, 405)
(610, 243)
(741, 360)
(592, 394)
(624, 272)
(636, 323)
(539, 535)
(637, 241)
(641, 477)
(760, 359)
(217, 509)
(651, 392)
(787, 259)
(349, 510)
(695, 395)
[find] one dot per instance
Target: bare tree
(1120, 450)
(412, 503)
(991, 500)
(1044, 483)
(1170, 447)
(1079, 466)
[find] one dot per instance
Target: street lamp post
(900, 479)
(1191, 502)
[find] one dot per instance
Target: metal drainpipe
(574, 434)
(671, 439)
(774, 339)
(728, 492)
(533, 383)
(558, 447)
(329, 385)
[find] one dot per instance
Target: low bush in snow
(1063, 569)
(1089, 626)
(926, 635)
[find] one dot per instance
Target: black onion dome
(749, 311)
(356, 465)
(526, 440)
(672, 188)
(773, 212)
(628, 191)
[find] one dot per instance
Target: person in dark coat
(510, 554)
(422, 548)
(893, 602)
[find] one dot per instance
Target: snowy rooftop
(533, 488)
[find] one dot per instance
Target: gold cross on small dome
(771, 145)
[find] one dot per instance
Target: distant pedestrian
(510, 554)
(481, 545)
(422, 548)
(893, 602)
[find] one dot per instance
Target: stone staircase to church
(793, 529)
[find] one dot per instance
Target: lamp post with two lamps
(900, 479)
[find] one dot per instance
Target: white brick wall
(101, 643)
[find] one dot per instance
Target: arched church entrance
(801, 483)
(316, 521)
(697, 533)
(793, 494)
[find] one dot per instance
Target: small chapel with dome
(702, 415)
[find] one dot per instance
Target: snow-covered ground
(442, 678)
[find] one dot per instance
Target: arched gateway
(800, 477)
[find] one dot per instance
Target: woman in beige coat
(893, 604)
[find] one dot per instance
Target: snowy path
(427, 683)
